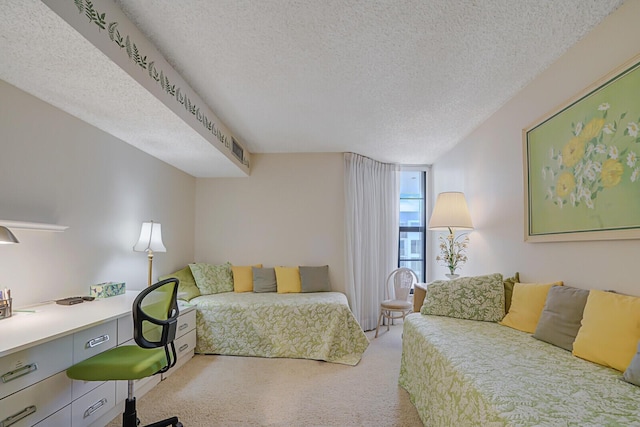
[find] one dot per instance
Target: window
(411, 245)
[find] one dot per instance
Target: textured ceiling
(399, 81)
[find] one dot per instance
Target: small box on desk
(108, 289)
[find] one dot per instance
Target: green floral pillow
(212, 279)
(473, 298)
(187, 288)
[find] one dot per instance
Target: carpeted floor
(248, 391)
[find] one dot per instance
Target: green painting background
(616, 207)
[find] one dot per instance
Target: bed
(317, 326)
(470, 373)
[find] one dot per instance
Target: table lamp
(150, 241)
(451, 213)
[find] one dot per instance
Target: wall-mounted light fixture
(6, 236)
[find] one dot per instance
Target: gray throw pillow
(561, 316)
(632, 373)
(473, 298)
(315, 279)
(264, 280)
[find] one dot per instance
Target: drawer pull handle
(17, 373)
(93, 408)
(183, 326)
(97, 341)
(183, 347)
(12, 419)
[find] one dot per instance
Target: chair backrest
(403, 279)
(155, 318)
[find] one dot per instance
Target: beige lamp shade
(150, 238)
(6, 236)
(150, 241)
(450, 212)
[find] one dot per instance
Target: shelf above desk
(21, 225)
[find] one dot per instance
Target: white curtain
(371, 233)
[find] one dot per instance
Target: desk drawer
(35, 403)
(82, 387)
(93, 405)
(27, 367)
(125, 329)
(94, 340)
(62, 418)
(186, 323)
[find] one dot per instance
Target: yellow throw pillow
(610, 329)
(527, 303)
(243, 277)
(288, 280)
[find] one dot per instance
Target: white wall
(487, 167)
(57, 169)
(289, 212)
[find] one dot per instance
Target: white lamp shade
(150, 238)
(6, 236)
(450, 211)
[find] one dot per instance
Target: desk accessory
(70, 301)
(5, 304)
(5, 308)
(107, 289)
(74, 300)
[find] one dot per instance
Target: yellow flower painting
(583, 172)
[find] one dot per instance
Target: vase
(452, 276)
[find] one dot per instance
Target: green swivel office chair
(155, 317)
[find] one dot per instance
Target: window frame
(416, 229)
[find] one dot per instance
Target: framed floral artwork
(581, 165)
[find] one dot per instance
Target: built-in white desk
(50, 321)
(37, 347)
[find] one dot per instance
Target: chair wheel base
(169, 422)
(130, 417)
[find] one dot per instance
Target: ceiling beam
(105, 26)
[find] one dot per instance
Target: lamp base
(150, 255)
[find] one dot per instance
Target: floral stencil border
(582, 166)
(179, 95)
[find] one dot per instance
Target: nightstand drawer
(27, 367)
(94, 340)
(185, 344)
(186, 323)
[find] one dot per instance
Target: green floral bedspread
(471, 373)
(318, 326)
